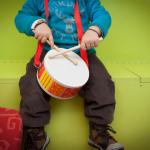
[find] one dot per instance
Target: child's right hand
(43, 33)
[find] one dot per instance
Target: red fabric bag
(10, 129)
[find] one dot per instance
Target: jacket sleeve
(98, 16)
(26, 16)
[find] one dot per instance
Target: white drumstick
(69, 50)
(65, 55)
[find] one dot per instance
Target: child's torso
(62, 23)
(61, 20)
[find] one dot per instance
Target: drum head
(65, 72)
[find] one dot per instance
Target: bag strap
(40, 45)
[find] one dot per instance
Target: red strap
(80, 31)
(38, 53)
(46, 9)
(40, 45)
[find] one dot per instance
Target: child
(98, 93)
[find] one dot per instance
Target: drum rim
(67, 86)
(57, 97)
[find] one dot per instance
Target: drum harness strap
(80, 33)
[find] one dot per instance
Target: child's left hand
(90, 38)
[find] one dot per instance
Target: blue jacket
(61, 20)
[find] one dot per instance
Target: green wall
(125, 52)
(129, 36)
(14, 46)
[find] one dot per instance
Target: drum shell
(52, 87)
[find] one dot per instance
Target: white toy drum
(60, 78)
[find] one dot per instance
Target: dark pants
(98, 94)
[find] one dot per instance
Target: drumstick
(65, 55)
(69, 50)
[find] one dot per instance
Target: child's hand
(43, 33)
(90, 38)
